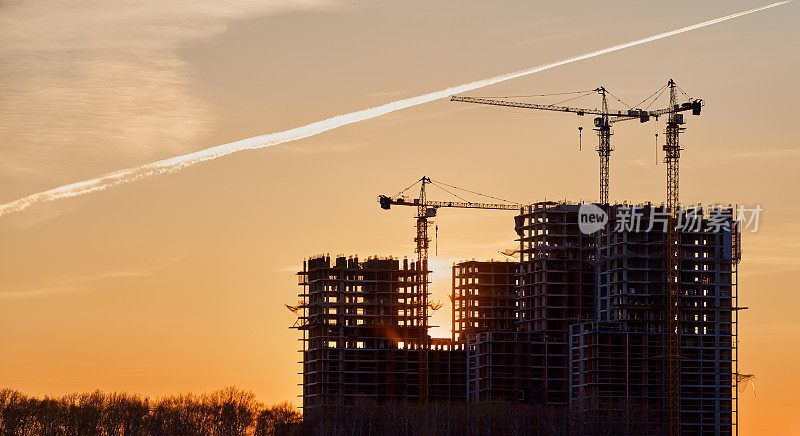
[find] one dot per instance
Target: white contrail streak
(179, 162)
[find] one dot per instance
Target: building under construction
(361, 334)
(617, 360)
(578, 322)
(616, 314)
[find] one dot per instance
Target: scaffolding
(736, 257)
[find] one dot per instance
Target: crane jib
(386, 202)
(632, 114)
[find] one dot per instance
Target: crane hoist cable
(655, 129)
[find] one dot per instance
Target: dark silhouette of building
(361, 334)
(484, 297)
(618, 360)
(577, 323)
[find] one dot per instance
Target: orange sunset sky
(177, 283)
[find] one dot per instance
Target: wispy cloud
(642, 163)
(41, 216)
(100, 81)
(39, 292)
(82, 282)
(317, 148)
(551, 37)
(782, 152)
(410, 117)
(386, 94)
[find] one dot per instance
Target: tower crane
(602, 122)
(426, 209)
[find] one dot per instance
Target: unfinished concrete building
(484, 320)
(361, 331)
(556, 289)
(618, 361)
(506, 366)
(579, 322)
(484, 297)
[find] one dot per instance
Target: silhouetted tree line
(228, 412)
(233, 412)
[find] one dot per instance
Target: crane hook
(656, 148)
(436, 239)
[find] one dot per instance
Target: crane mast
(604, 147)
(425, 210)
(423, 242)
(672, 150)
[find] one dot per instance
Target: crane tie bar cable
(683, 92)
(651, 96)
(540, 95)
(656, 99)
(451, 193)
(406, 189)
(573, 98)
(618, 99)
(473, 192)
